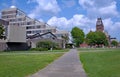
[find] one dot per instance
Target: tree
(114, 43)
(101, 38)
(1, 31)
(90, 38)
(96, 38)
(78, 36)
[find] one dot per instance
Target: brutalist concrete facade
(18, 26)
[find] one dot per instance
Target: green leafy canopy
(78, 35)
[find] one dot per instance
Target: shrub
(47, 45)
(39, 49)
(58, 48)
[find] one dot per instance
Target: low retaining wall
(3, 46)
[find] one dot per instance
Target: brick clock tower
(99, 25)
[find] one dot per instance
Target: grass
(62, 50)
(97, 49)
(22, 65)
(101, 64)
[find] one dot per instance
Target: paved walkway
(66, 66)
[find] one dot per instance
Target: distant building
(99, 25)
(84, 45)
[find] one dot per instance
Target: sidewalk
(68, 65)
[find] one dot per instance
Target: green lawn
(25, 64)
(29, 51)
(101, 64)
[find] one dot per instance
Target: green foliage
(90, 38)
(101, 64)
(47, 44)
(114, 43)
(78, 35)
(39, 49)
(23, 65)
(1, 31)
(99, 38)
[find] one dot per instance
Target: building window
(9, 12)
(30, 27)
(28, 23)
(38, 26)
(49, 30)
(28, 32)
(19, 19)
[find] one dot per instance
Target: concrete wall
(16, 33)
(3, 45)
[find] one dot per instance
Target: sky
(66, 14)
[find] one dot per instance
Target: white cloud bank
(77, 20)
(44, 7)
(100, 8)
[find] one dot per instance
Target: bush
(47, 44)
(39, 49)
(57, 48)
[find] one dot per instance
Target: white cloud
(44, 7)
(108, 24)
(112, 27)
(109, 10)
(58, 22)
(77, 20)
(100, 8)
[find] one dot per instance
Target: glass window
(28, 23)
(28, 32)
(38, 26)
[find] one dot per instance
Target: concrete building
(19, 27)
(15, 38)
(18, 18)
(16, 34)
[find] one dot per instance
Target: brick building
(99, 25)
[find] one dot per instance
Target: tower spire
(99, 25)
